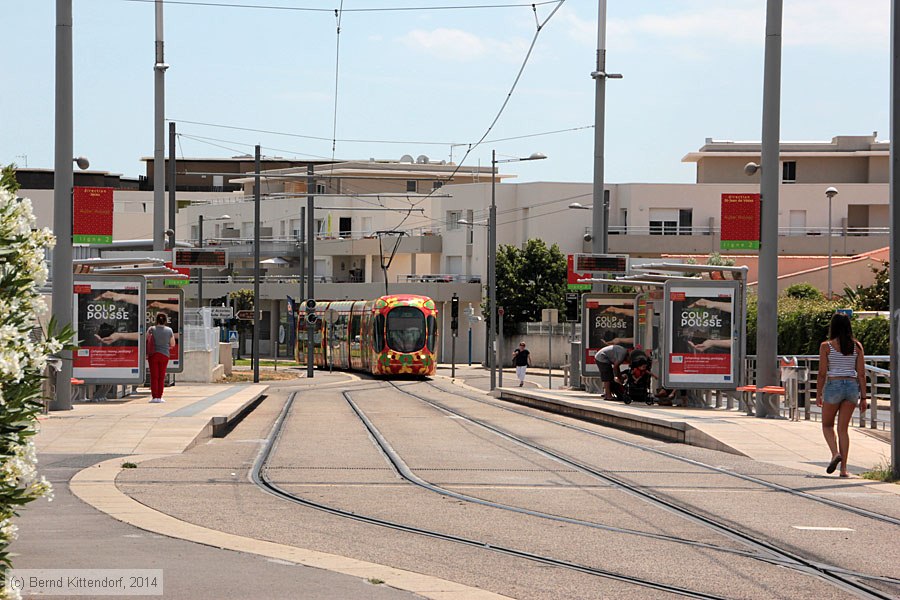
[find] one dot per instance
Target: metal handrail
(782, 231)
(878, 383)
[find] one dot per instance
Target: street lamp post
(492, 261)
(830, 193)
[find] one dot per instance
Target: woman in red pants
(163, 339)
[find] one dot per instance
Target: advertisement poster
(702, 336)
(92, 215)
(109, 322)
(740, 222)
(168, 302)
(606, 319)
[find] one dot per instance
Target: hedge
(803, 326)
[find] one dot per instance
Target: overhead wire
(322, 10)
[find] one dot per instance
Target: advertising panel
(92, 215)
(606, 319)
(740, 222)
(703, 334)
(170, 302)
(109, 321)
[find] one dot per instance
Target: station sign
(740, 222)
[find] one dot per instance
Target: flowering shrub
(22, 359)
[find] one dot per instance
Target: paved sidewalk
(132, 425)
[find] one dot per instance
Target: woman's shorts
(840, 390)
(606, 371)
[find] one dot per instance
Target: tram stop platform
(794, 444)
(132, 425)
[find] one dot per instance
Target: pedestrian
(522, 360)
(158, 356)
(609, 359)
(840, 385)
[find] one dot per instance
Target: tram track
(836, 576)
(749, 478)
(259, 477)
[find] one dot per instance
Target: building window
(685, 221)
(789, 171)
(320, 188)
(453, 218)
(436, 185)
(411, 185)
(663, 227)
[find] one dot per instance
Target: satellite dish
(406, 158)
(422, 160)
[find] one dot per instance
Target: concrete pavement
(105, 435)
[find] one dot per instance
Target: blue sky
(416, 81)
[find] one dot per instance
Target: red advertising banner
(92, 215)
(740, 222)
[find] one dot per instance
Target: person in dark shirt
(522, 360)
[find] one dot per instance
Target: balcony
(796, 241)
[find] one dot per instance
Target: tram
(389, 336)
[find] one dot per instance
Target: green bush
(805, 291)
(803, 325)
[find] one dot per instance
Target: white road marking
(811, 528)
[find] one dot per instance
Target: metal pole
(829, 247)
(767, 318)
(172, 179)
(500, 347)
(62, 197)
(200, 270)
(895, 242)
(549, 355)
(159, 136)
(310, 263)
(257, 302)
(470, 341)
(453, 354)
(599, 223)
(492, 272)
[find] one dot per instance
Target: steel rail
(258, 477)
(771, 485)
(794, 561)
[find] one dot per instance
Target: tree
(874, 297)
(530, 279)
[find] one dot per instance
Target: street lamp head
(82, 163)
(831, 192)
(750, 169)
(579, 206)
(536, 156)
(223, 217)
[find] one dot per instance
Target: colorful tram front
(391, 335)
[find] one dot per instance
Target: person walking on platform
(522, 360)
(608, 359)
(840, 385)
(158, 356)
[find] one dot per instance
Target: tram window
(406, 329)
(432, 332)
(354, 327)
(378, 338)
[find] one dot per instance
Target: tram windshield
(405, 329)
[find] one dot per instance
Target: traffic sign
(222, 312)
(233, 338)
(245, 315)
